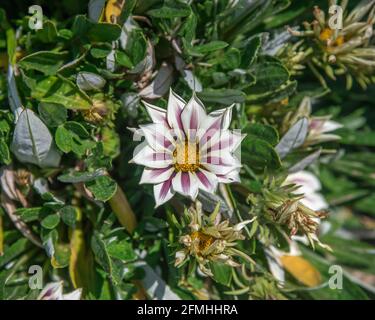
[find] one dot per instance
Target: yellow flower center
(327, 34)
(205, 241)
(186, 157)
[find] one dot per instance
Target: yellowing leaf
(302, 270)
(113, 10)
(3, 60)
(81, 260)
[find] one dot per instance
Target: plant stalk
(121, 207)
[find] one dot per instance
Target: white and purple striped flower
(54, 291)
(186, 149)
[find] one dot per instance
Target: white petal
(314, 201)
(220, 163)
(207, 181)
(52, 291)
(185, 183)
(224, 140)
(155, 176)
(157, 115)
(307, 181)
(227, 116)
(331, 126)
(209, 131)
(192, 116)
(158, 137)
(146, 156)
(241, 225)
(75, 295)
(175, 106)
(275, 266)
(163, 192)
(231, 177)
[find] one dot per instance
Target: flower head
(186, 149)
(208, 239)
(342, 49)
(54, 291)
(320, 128)
(286, 205)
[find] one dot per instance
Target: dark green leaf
(103, 188)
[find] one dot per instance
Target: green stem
(121, 207)
(236, 211)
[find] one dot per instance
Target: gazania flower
(186, 149)
(54, 291)
(346, 51)
(308, 185)
(210, 240)
(320, 128)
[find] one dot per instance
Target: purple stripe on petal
(185, 182)
(166, 187)
(203, 179)
(194, 120)
(157, 172)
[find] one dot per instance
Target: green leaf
(250, 52)
(72, 136)
(87, 30)
(52, 114)
(222, 273)
(269, 76)
(259, 154)
(200, 50)
(51, 221)
(101, 253)
(222, 96)
(264, 132)
(121, 250)
(357, 138)
(14, 250)
(4, 153)
(29, 214)
(47, 62)
(60, 91)
(33, 143)
(48, 33)
(350, 290)
(366, 205)
(103, 188)
(231, 59)
(76, 177)
(68, 215)
(136, 47)
(100, 52)
(123, 60)
(170, 10)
